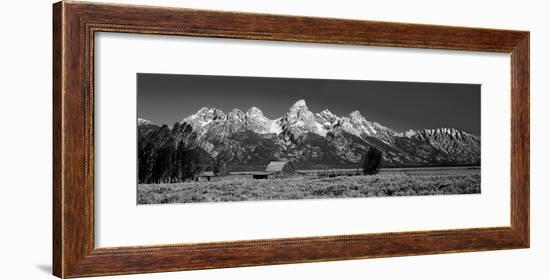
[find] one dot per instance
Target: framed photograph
(189, 139)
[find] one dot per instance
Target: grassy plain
(398, 182)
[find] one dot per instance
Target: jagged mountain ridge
(317, 140)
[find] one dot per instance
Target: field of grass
(242, 188)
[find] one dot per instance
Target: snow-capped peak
(236, 112)
(236, 116)
(326, 115)
(300, 103)
(299, 120)
(142, 121)
(327, 119)
(254, 112)
(205, 116)
(409, 133)
(356, 116)
(440, 131)
(257, 122)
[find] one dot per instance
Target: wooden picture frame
(74, 26)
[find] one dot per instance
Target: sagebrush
(243, 189)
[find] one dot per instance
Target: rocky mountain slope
(322, 140)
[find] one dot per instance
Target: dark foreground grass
(243, 189)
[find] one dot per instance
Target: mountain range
(321, 140)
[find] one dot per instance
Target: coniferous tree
(371, 161)
(168, 155)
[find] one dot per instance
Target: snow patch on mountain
(438, 132)
(257, 122)
(205, 116)
(204, 119)
(300, 120)
(142, 121)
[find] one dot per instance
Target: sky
(166, 99)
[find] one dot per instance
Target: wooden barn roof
(276, 166)
(206, 173)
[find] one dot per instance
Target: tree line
(172, 155)
(167, 155)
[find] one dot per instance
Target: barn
(275, 169)
(262, 175)
(280, 168)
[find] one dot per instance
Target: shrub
(371, 162)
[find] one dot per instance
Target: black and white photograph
(205, 138)
(275, 139)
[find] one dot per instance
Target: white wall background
(25, 139)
